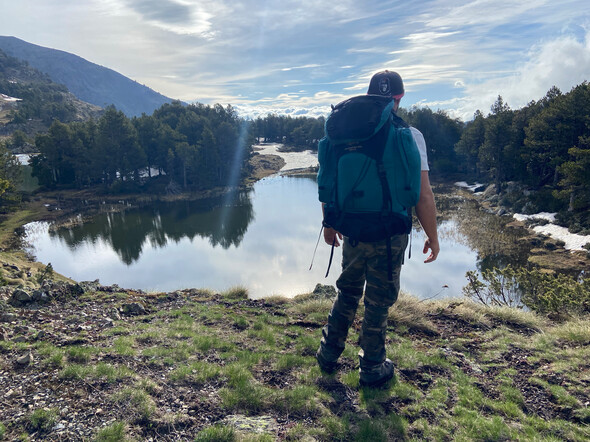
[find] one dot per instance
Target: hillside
(88, 81)
(30, 101)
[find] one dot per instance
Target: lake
(262, 239)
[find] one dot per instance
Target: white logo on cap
(384, 85)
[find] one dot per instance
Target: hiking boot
(378, 376)
(325, 365)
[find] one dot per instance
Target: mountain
(30, 101)
(88, 81)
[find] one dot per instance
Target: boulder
(41, 297)
(62, 290)
(7, 317)
(489, 192)
(324, 291)
(133, 309)
(20, 298)
(25, 360)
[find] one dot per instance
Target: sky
(298, 57)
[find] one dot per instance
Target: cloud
(164, 11)
(454, 54)
(175, 16)
(307, 66)
(563, 62)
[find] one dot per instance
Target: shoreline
(549, 252)
(63, 207)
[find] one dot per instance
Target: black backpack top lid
(358, 118)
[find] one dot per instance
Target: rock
(324, 291)
(252, 424)
(489, 192)
(60, 289)
(20, 298)
(90, 286)
(19, 339)
(11, 267)
(133, 309)
(41, 297)
(7, 317)
(106, 323)
(114, 314)
(26, 359)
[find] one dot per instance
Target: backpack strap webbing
(389, 261)
(331, 256)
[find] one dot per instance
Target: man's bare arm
(426, 212)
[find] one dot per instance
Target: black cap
(387, 83)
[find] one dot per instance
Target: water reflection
(223, 221)
(263, 240)
(496, 243)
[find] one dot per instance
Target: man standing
(367, 263)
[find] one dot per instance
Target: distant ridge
(88, 81)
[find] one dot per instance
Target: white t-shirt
(419, 139)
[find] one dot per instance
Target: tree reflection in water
(497, 244)
(224, 221)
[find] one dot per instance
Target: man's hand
(332, 236)
(434, 248)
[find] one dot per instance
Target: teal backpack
(369, 175)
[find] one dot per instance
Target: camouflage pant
(367, 262)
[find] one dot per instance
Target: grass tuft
(409, 312)
(112, 433)
(236, 293)
(138, 402)
(277, 300)
(514, 317)
(576, 331)
(216, 433)
(42, 419)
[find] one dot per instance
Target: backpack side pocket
(326, 171)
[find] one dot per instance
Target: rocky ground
(89, 362)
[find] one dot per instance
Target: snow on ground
(464, 185)
(572, 241)
(293, 160)
(9, 99)
(543, 215)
